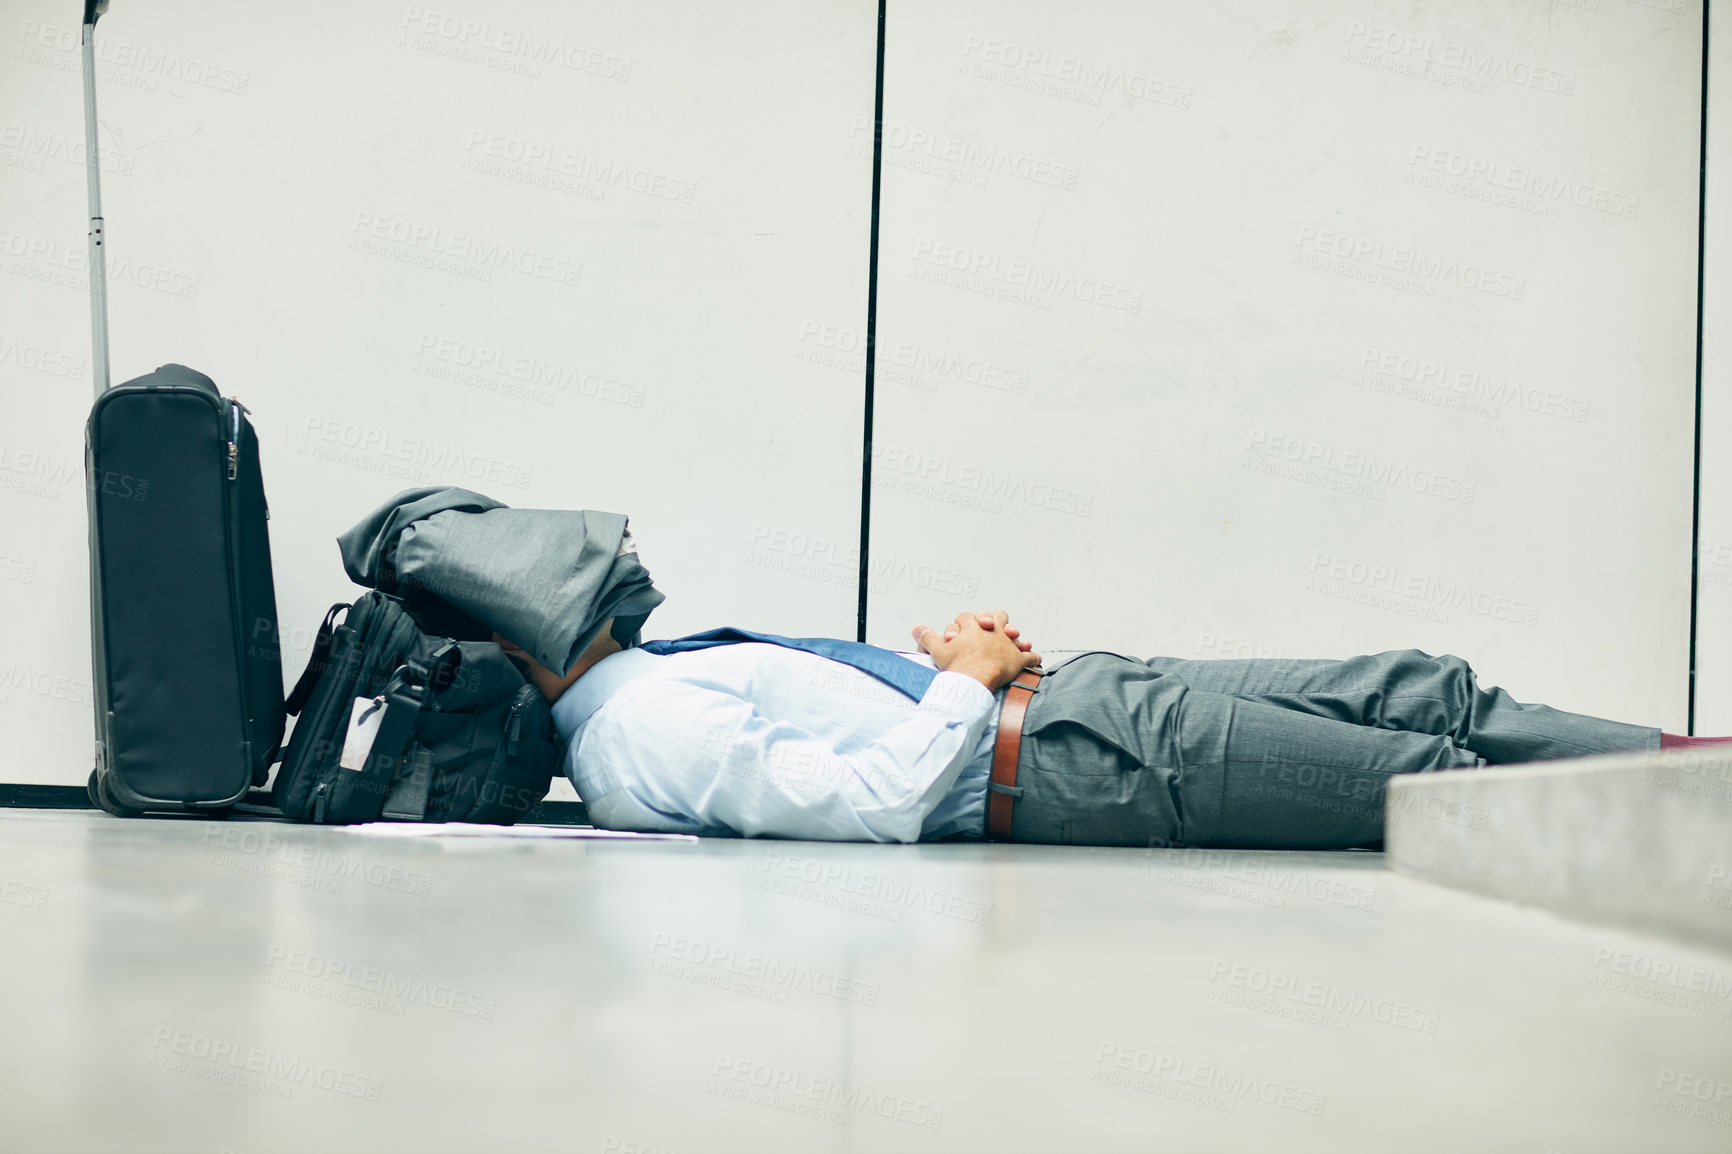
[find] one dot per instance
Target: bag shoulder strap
(297, 699)
(408, 798)
(411, 688)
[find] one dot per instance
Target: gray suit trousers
(1265, 754)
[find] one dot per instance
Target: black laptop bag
(188, 678)
(399, 724)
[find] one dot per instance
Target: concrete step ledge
(1642, 841)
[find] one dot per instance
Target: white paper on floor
(471, 829)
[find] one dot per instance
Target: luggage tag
(364, 717)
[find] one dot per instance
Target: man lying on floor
(757, 738)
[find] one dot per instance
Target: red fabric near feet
(1675, 741)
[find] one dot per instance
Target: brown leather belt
(1003, 790)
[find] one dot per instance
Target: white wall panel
(1714, 545)
(1302, 329)
(568, 255)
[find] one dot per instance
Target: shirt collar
(600, 682)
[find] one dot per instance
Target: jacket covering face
(469, 565)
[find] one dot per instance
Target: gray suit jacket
(543, 578)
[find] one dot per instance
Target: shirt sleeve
(683, 751)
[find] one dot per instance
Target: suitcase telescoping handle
(93, 10)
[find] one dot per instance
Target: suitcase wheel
(103, 800)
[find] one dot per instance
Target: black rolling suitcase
(183, 619)
(183, 616)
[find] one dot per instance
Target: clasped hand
(984, 646)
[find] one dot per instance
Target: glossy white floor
(182, 986)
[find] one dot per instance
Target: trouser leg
(1117, 754)
(1292, 780)
(1409, 690)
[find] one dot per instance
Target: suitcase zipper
(235, 409)
(319, 803)
(231, 509)
(235, 449)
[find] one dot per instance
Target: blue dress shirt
(759, 740)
